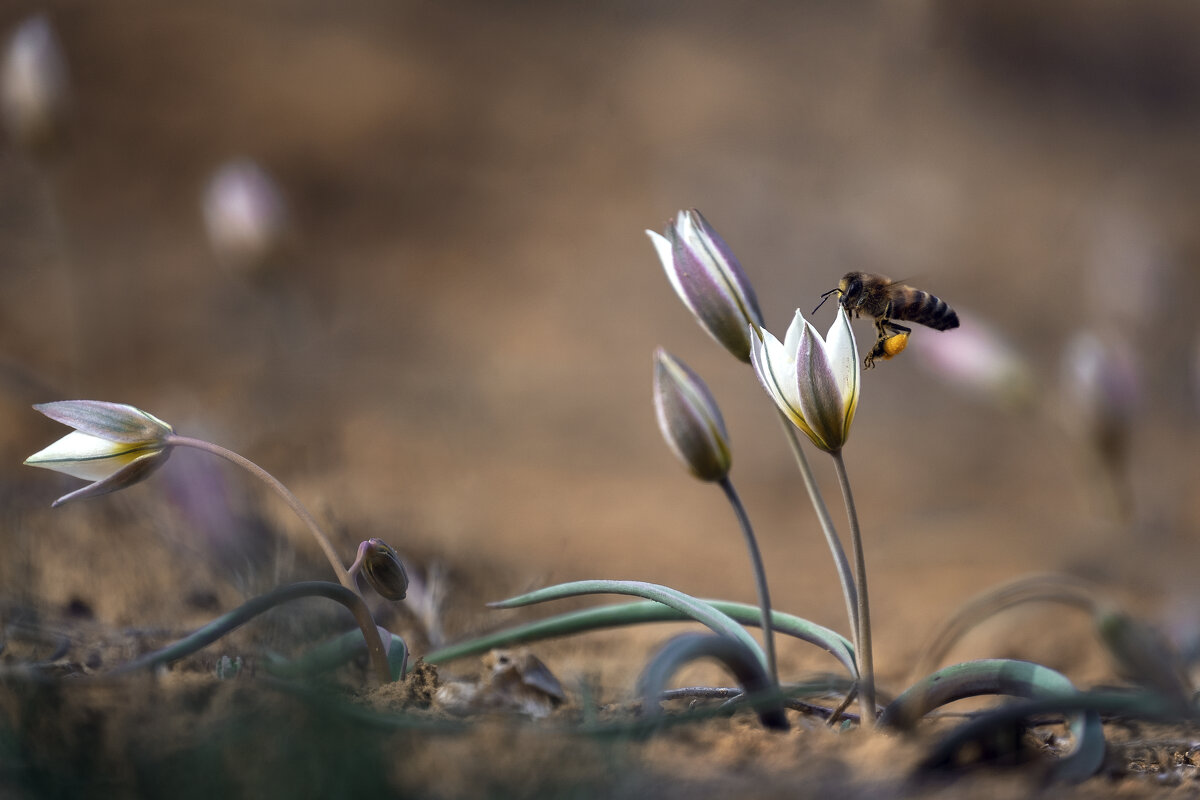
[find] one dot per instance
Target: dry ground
(456, 356)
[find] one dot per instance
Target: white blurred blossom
(245, 215)
(34, 87)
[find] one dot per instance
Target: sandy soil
(454, 356)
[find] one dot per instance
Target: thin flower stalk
(845, 575)
(862, 642)
(293, 503)
(760, 577)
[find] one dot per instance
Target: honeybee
(878, 296)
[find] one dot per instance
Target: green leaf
(698, 610)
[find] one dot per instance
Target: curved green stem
(862, 645)
(293, 503)
(252, 608)
(760, 576)
(845, 576)
(590, 619)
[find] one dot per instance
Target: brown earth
(455, 357)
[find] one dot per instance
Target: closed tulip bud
(709, 280)
(689, 419)
(113, 445)
(34, 89)
(383, 569)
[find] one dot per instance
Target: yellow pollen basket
(894, 345)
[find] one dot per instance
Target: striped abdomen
(914, 305)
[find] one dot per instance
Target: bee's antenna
(824, 297)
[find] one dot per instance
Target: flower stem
(831, 536)
(257, 605)
(760, 576)
(862, 642)
(254, 469)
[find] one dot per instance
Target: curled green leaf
(735, 656)
(590, 619)
(698, 610)
(1006, 677)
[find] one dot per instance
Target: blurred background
(446, 339)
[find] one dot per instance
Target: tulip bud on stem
(692, 425)
(374, 643)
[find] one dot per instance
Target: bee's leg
(877, 350)
(893, 328)
(880, 349)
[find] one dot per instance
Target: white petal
(82, 456)
(666, 254)
(842, 350)
(791, 341)
(776, 369)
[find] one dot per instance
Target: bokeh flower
(1102, 393)
(689, 418)
(709, 280)
(245, 215)
(113, 445)
(814, 381)
(980, 360)
(34, 89)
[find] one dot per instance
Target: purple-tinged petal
(134, 472)
(689, 418)
(115, 422)
(709, 281)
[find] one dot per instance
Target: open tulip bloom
(113, 445)
(814, 381)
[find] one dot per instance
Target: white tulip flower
(113, 445)
(814, 381)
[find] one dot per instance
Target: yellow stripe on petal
(88, 457)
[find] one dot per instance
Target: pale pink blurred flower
(1101, 393)
(979, 360)
(245, 215)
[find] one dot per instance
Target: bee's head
(850, 289)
